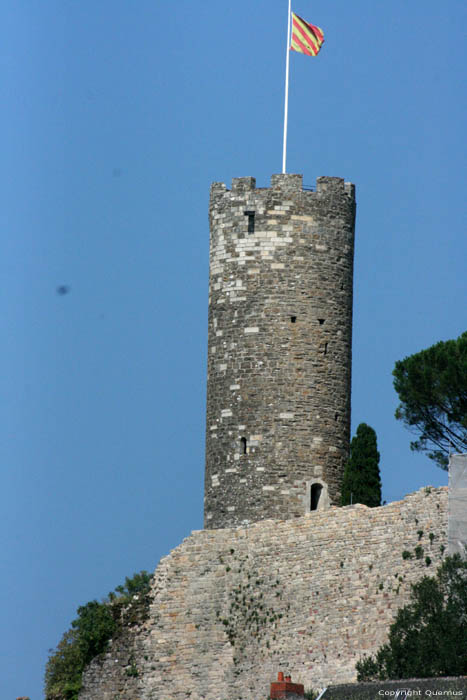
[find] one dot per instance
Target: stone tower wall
(308, 596)
(279, 348)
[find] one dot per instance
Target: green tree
(432, 389)
(89, 634)
(94, 626)
(137, 584)
(429, 635)
(64, 669)
(86, 639)
(362, 482)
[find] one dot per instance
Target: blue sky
(116, 117)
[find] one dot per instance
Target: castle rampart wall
(309, 595)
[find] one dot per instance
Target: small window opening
(336, 416)
(243, 445)
(315, 494)
(325, 348)
(293, 319)
(251, 221)
(321, 321)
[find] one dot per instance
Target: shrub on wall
(89, 634)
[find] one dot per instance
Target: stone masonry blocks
(308, 596)
(279, 347)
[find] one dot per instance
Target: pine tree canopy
(432, 388)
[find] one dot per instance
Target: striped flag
(306, 38)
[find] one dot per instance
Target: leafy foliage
(64, 669)
(432, 389)
(138, 583)
(89, 634)
(429, 635)
(362, 482)
(94, 626)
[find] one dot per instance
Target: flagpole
(286, 107)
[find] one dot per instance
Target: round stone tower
(279, 351)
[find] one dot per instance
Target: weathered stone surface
(308, 596)
(270, 585)
(279, 356)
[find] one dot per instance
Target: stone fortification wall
(309, 596)
(279, 355)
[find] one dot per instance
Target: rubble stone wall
(308, 596)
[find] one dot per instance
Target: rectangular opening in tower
(251, 221)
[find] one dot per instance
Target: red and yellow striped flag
(306, 38)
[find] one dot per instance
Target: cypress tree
(362, 482)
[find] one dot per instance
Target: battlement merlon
(288, 183)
